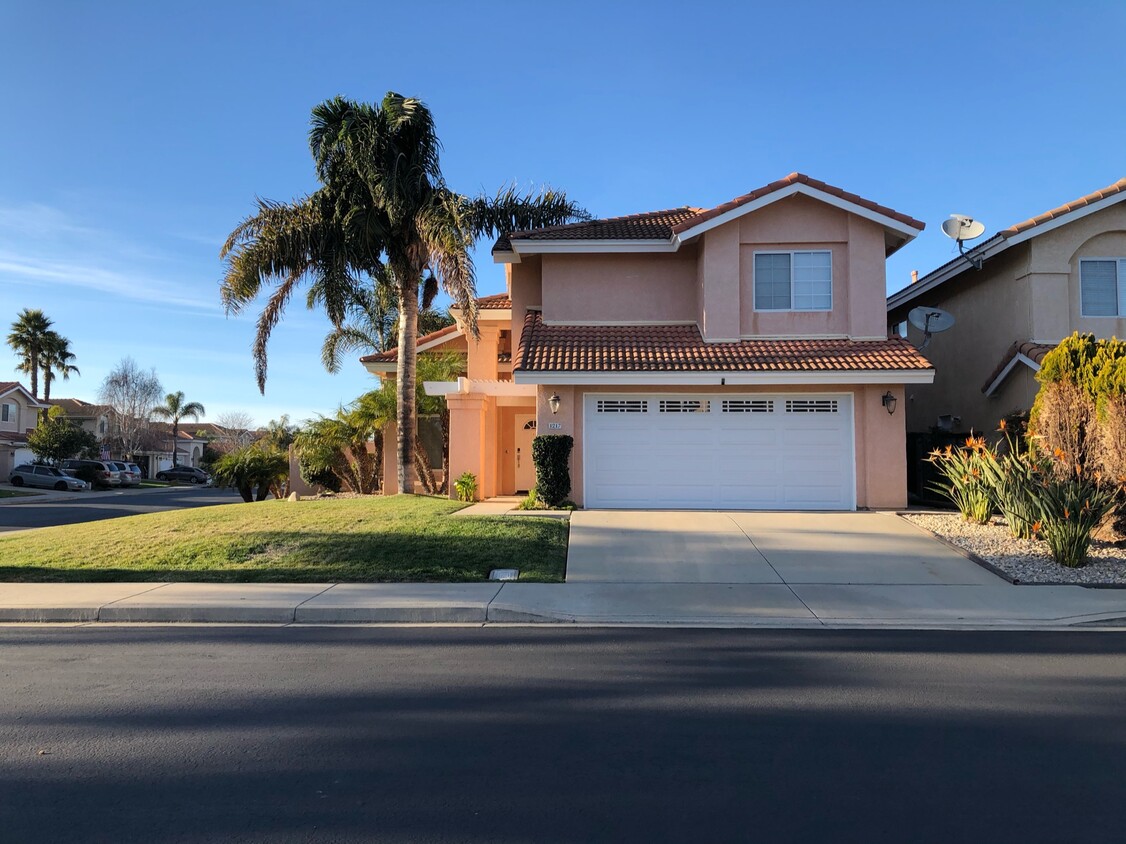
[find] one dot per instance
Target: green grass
(144, 484)
(379, 540)
(15, 493)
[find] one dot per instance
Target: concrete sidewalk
(738, 604)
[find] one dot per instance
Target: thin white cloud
(41, 245)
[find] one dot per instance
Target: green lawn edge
(398, 539)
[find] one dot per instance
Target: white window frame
(791, 309)
(1120, 279)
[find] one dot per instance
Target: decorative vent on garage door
(685, 406)
(748, 406)
(811, 405)
(623, 406)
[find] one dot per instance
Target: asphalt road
(160, 734)
(125, 503)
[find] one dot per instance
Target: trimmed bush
(551, 454)
(466, 487)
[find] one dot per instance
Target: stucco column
(719, 289)
(881, 453)
(481, 362)
(467, 439)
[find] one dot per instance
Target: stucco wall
(23, 418)
(880, 439)
(621, 288)
(1029, 292)
(991, 308)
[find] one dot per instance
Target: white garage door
(701, 452)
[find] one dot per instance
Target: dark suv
(184, 473)
(98, 473)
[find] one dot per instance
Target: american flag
(104, 453)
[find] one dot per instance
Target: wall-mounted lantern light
(553, 402)
(888, 401)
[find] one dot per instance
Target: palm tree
(383, 202)
(175, 409)
(56, 357)
(27, 338)
(371, 324)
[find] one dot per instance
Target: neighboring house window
(1102, 286)
(102, 427)
(794, 281)
(7, 412)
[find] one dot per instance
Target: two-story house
(732, 357)
(94, 418)
(1014, 296)
(19, 413)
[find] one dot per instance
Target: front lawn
(15, 493)
(389, 540)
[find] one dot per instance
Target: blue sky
(136, 135)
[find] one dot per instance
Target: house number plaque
(555, 426)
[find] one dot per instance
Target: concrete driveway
(631, 546)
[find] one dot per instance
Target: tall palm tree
(174, 409)
(383, 202)
(371, 325)
(28, 335)
(56, 359)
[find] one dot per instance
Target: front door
(525, 469)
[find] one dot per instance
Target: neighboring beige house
(18, 414)
(94, 418)
(1040, 280)
(733, 357)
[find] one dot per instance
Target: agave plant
(965, 479)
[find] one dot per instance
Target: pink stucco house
(735, 357)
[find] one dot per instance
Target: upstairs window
(794, 281)
(1102, 287)
(7, 412)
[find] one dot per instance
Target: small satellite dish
(930, 321)
(962, 228)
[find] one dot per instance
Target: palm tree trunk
(175, 438)
(405, 388)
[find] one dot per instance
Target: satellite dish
(962, 228)
(930, 321)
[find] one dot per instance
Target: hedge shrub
(551, 453)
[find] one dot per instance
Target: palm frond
(267, 321)
(509, 211)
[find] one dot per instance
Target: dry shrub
(1063, 424)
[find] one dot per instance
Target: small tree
(131, 394)
(253, 467)
(57, 438)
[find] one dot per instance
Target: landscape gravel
(1024, 560)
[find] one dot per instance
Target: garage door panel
(710, 452)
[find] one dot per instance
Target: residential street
(553, 734)
(91, 507)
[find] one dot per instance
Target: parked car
(129, 476)
(184, 473)
(47, 477)
(99, 473)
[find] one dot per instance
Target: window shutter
(1098, 285)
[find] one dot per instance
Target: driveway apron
(633, 546)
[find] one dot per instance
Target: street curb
(44, 498)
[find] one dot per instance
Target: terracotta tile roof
(497, 302)
(680, 348)
(5, 386)
(649, 225)
(79, 408)
(662, 225)
(792, 179)
(1067, 208)
(391, 355)
(1033, 351)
